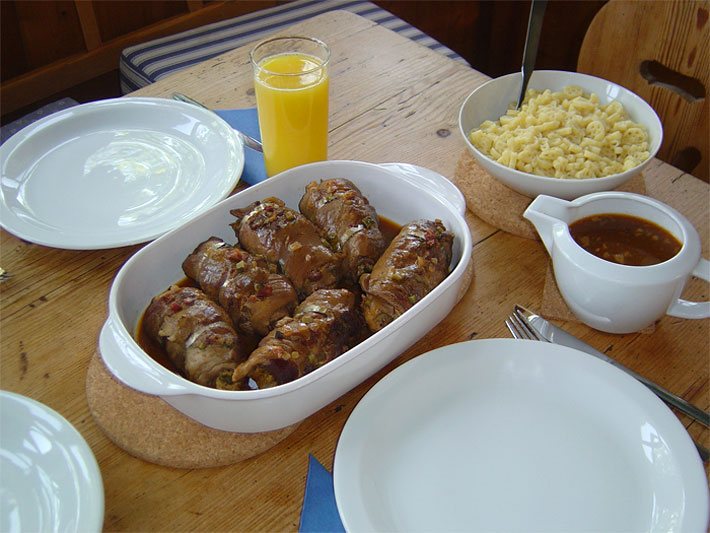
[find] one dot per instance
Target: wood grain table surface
(391, 100)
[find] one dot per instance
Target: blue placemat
(8, 130)
(319, 512)
(246, 121)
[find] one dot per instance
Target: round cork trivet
(501, 206)
(149, 428)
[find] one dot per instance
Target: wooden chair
(659, 50)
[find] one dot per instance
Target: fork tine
(516, 329)
(513, 329)
(532, 334)
(522, 326)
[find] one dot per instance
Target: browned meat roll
(247, 286)
(415, 262)
(349, 222)
(325, 325)
(196, 334)
(289, 239)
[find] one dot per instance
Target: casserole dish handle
(126, 363)
(432, 182)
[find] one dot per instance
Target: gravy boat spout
(550, 216)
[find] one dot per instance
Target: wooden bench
(148, 62)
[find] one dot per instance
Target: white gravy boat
(612, 297)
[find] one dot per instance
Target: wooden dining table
(391, 100)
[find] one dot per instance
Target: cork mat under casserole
(149, 428)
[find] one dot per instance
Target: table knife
(556, 335)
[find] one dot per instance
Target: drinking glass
(291, 84)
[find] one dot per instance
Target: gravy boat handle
(687, 309)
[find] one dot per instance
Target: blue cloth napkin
(8, 130)
(246, 121)
(319, 512)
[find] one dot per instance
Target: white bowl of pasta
(575, 134)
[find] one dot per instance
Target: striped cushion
(146, 63)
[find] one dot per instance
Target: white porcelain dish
(115, 172)
(491, 100)
(609, 296)
(399, 192)
(512, 435)
(49, 477)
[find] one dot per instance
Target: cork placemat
(503, 208)
(150, 429)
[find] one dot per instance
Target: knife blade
(551, 333)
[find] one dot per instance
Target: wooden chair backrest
(661, 51)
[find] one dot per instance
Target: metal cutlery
(251, 142)
(537, 13)
(524, 324)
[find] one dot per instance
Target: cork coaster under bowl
(501, 206)
(149, 428)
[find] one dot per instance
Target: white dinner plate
(512, 435)
(115, 172)
(49, 479)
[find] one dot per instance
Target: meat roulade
(415, 262)
(247, 286)
(349, 222)
(196, 334)
(325, 325)
(289, 239)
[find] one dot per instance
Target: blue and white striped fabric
(146, 63)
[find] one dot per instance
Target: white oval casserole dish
(399, 192)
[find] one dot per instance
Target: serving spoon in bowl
(532, 40)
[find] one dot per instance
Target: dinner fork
(520, 329)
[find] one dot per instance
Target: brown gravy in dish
(624, 239)
(389, 228)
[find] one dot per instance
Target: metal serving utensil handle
(246, 139)
(532, 40)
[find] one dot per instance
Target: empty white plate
(49, 477)
(115, 172)
(510, 435)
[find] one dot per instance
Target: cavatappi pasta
(565, 134)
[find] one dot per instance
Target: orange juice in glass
(291, 85)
